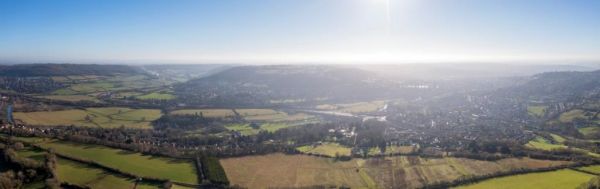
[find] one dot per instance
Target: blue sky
(292, 31)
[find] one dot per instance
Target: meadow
(131, 162)
(280, 170)
(71, 98)
(110, 117)
(156, 96)
(359, 107)
(537, 111)
(564, 178)
(327, 148)
(210, 113)
(84, 175)
(245, 128)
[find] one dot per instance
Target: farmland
(245, 128)
(110, 117)
(71, 98)
(84, 175)
(279, 170)
(359, 107)
(211, 113)
(592, 169)
(328, 148)
(544, 144)
(270, 115)
(156, 96)
(537, 111)
(564, 178)
(136, 163)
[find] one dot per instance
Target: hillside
(259, 84)
(41, 70)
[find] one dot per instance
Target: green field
(571, 115)
(71, 98)
(564, 178)
(211, 113)
(156, 96)
(537, 111)
(589, 131)
(246, 130)
(543, 144)
(111, 117)
(84, 175)
(593, 169)
(359, 107)
(135, 163)
(328, 148)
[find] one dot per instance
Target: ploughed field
(109, 117)
(176, 170)
(279, 170)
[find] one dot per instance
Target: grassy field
(392, 150)
(593, 169)
(279, 170)
(555, 179)
(543, 144)
(36, 154)
(246, 130)
(588, 131)
(537, 111)
(71, 98)
(571, 115)
(359, 107)
(84, 175)
(212, 113)
(136, 163)
(270, 115)
(96, 117)
(156, 96)
(327, 148)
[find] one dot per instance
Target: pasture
(543, 144)
(131, 162)
(564, 178)
(270, 115)
(279, 170)
(245, 129)
(84, 175)
(569, 116)
(537, 111)
(327, 148)
(110, 117)
(209, 113)
(156, 96)
(359, 107)
(71, 98)
(592, 169)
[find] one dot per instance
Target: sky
(298, 31)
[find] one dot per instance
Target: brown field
(279, 170)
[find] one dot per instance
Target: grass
(270, 115)
(538, 111)
(588, 131)
(571, 115)
(593, 169)
(391, 150)
(111, 117)
(246, 130)
(543, 144)
(156, 96)
(84, 175)
(296, 171)
(359, 107)
(136, 163)
(212, 113)
(71, 98)
(558, 138)
(328, 148)
(564, 178)
(36, 154)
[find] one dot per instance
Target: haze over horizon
(309, 31)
